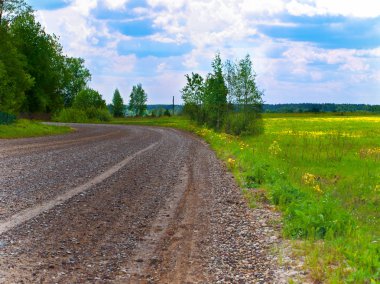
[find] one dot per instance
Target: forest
(35, 74)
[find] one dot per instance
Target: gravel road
(128, 204)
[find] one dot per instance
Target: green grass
(323, 173)
(25, 128)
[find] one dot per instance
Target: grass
(25, 128)
(323, 173)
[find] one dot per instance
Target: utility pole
(173, 105)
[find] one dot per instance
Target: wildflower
(231, 162)
(317, 188)
(274, 148)
(308, 178)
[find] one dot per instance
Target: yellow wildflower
(318, 188)
(231, 162)
(274, 148)
(308, 178)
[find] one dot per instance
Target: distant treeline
(295, 108)
(308, 107)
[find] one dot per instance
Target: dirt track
(127, 204)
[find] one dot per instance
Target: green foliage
(25, 128)
(75, 79)
(44, 62)
(215, 95)
(167, 113)
(193, 94)
(98, 114)
(90, 114)
(35, 76)
(117, 104)
(88, 106)
(6, 118)
(71, 115)
(138, 99)
(89, 98)
(14, 81)
(9, 9)
(240, 123)
(229, 101)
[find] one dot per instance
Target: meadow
(323, 173)
(24, 128)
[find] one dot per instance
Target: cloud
(346, 8)
(115, 4)
(302, 50)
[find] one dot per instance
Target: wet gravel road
(128, 204)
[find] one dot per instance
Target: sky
(315, 51)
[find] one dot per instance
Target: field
(323, 173)
(25, 128)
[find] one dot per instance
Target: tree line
(315, 108)
(228, 99)
(37, 77)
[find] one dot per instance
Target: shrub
(71, 115)
(82, 116)
(239, 123)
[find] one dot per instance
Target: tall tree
(216, 94)
(117, 104)
(193, 96)
(14, 81)
(89, 98)
(75, 79)
(45, 63)
(138, 99)
(244, 95)
(248, 94)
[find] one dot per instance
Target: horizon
(303, 52)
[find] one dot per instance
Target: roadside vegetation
(227, 100)
(322, 172)
(25, 128)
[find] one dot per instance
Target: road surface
(127, 204)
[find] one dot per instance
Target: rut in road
(164, 210)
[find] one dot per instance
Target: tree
(89, 98)
(216, 94)
(244, 95)
(249, 95)
(45, 63)
(138, 99)
(9, 9)
(14, 81)
(75, 79)
(193, 96)
(117, 104)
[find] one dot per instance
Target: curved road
(126, 204)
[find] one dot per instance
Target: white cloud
(262, 6)
(347, 8)
(84, 6)
(227, 26)
(115, 4)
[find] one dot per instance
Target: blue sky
(319, 51)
